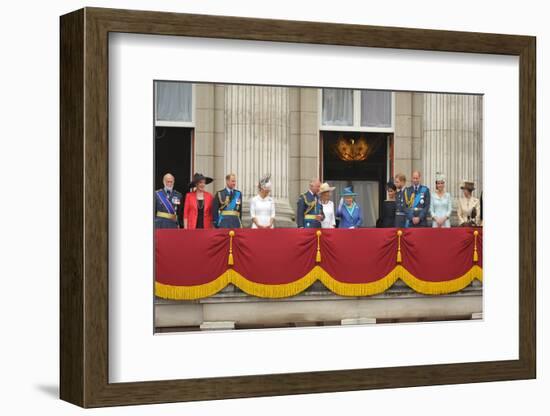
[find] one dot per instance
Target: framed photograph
(255, 207)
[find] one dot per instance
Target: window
(376, 108)
(338, 107)
(174, 104)
(357, 110)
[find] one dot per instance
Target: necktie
(168, 193)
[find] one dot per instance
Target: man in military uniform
(310, 211)
(227, 207)
(168, 204)
(400, 181)
(417, 201)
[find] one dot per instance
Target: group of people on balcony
(315, 208)
(409, 207)
(405, 207)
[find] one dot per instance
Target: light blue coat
(441, 207)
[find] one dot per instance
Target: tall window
(174, 104)
(376, 108)
(358, 110)
(337, 107)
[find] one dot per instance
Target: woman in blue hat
(349, 212)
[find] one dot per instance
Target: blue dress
(441, 207)
(350, 216)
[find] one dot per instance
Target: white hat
(439, 177)
(325, 187)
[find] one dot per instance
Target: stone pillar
(204, 131)
(416, 130)
(408, 133)
(257, 135)
(403, 137)
(452, 140)
(294, 185)
(309, 137)
(219, 137)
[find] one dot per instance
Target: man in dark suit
(227, 207)
(168, 204)
(417, 201)
(310, 211)
(400, 207)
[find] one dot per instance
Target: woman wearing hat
(441, 204)
(328, 206)
(349, 212)
(468, 206)
(197, 212)
(262, 206)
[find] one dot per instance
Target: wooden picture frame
(84, 207)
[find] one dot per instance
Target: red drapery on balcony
(193, 264)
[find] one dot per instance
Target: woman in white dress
(441, 204)
(262, 206)
(328, 206)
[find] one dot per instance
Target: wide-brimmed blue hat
(348, 191)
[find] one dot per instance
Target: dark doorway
(173, 151)
(359, 159)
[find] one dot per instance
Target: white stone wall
(408, 133)
(203, 160)
(219, 137)
(254, 130)
(453, 140)
(294, 161)
(309, 136)
(257, 134)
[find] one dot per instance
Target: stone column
(403, 152)
(204, 131)
(408, 133)
(309, 137)
(219, 137)
(452, 140)
(257, 135)
(294, 185)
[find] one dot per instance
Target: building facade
(295, 133)
(344, 137)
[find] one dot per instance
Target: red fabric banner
(436, 255)
(190, 257)
(359, 255)
(275, 256)
(191, 264)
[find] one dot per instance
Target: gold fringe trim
(193, 292)
(317, 273)
(440, 288)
